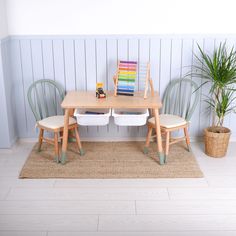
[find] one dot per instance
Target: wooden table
(81, 99)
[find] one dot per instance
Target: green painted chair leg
(161, 158)
(81, 152)
(145, 150)
(63, 158)
(39, 148)
(189, 148)
(166, 157)
(56, 159)
(71, 140)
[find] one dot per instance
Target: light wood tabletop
(82, 99)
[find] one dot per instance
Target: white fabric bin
(92, 119)
(130, 117)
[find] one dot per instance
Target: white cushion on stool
(169, 121)
(55, 122)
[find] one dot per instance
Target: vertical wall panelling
(4, 120)
(112, 57)
(37, 59)
(176, 59)
(9, 94)
(101, 62)
(91, 64)
(166, 45)
(144, 57)
(80, 66)
(122, 49)
(16, 73)
(155, 62)
(28, 79)
(48, 59)
(187, 55)
(69, 64)
(133, 49)
(81, 61)
(59, 63)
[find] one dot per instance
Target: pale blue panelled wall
(79, 62)
(8, 129)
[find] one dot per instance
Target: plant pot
(216, 141)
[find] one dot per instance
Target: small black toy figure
(99, 91)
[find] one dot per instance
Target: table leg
(81, 151)
(65, 136)
(159, 140)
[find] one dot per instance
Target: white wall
(120, 16)
(3, 19)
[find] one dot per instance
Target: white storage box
(130, 117)
(91, 117)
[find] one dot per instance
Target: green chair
(45, 97)
(179, 102)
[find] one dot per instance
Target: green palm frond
(219, 72)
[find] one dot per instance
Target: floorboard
(119, 207)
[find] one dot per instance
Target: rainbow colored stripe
(127, 73)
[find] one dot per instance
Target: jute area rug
(109, 160)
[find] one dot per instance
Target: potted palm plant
(218, 71)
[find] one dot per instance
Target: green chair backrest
(181, 98)
(45, 97)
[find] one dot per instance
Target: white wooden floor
(134, 207)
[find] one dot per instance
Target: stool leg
(40, 139)
(148, 138)
(187, 138)
(78, 141)
(56, 147)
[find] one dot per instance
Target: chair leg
(148, 138)
(61, 135)
(187, 138)
(56, 147)
(78, 141)
(167, 145)
(40, 139)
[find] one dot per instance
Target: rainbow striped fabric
(127, 73)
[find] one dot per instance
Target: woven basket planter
(216, 141)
